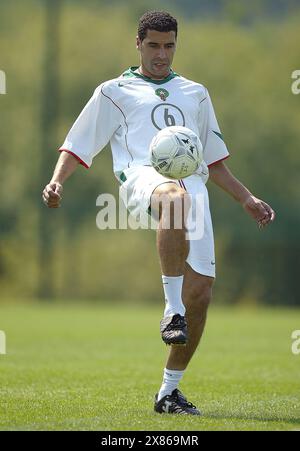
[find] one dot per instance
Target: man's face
(157, 52)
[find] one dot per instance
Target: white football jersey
(129, 110)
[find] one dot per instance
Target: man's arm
(65, 166)
(259, 210)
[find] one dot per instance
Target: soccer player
(128, 111)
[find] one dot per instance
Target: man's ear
(138, 43)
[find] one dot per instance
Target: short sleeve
(93, 128)
(210, 135)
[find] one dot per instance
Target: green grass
(98, 368)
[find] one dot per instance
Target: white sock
(170, 381)
(173, 288)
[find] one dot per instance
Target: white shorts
(138, 184)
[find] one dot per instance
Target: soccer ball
(176, 152)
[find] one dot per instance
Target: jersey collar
(130, 73)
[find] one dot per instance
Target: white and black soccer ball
(176, 152)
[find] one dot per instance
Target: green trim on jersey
(123, 177)
(219, 135)
(130, 73)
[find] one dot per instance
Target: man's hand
(259, 210)
(65, 166)
(52, 195)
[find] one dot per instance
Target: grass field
(98, 368)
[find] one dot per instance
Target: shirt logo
(162, 93)
(124, 83)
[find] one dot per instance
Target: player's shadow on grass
(218, 416)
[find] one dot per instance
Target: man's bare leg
(172, 245)
(197, 293)
(170, 205)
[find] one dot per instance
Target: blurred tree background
(54, 54)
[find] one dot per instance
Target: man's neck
(139, 70)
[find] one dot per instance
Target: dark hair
(158, 21)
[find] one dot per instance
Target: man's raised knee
(173, 202)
